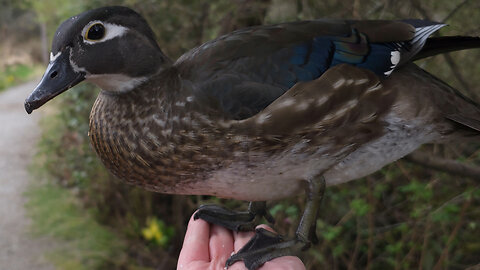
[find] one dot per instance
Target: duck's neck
(125, 82)
(116, 83)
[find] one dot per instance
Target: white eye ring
(111, 31)
(98, 29)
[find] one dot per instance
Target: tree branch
(444, 165)
(457, 8)
(458, 75)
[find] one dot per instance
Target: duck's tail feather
(465, 121)
(438, 45)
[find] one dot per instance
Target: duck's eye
(95, 32)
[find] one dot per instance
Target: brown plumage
(165, 140)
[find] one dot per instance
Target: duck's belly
(402, 137)
(287, 176)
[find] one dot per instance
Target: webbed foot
(265, 246)
(233, 220)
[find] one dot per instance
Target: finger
(240, 265)
(195, 244)
(240, 239)
(221, 244)
(280, 263)
(285, 262)
(266, 227)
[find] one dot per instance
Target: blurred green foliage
(52, 12)
(15, 74)
(405, 216)
(85, 244)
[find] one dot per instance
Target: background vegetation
(406, 216)
(18, 53)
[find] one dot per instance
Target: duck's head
(112, 47)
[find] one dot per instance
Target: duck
(259, 114)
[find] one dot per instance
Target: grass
(13, 75)
(82, 242)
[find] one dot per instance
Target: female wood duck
(259, 114)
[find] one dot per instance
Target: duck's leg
(235, 221)
(265, 245)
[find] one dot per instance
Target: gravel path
(18, 136)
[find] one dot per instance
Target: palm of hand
(209, 246)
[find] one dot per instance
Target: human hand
(209, 246)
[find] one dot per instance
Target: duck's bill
(58, 78)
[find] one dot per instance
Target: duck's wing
(341, 110)
(248, 69)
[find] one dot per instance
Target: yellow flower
(10, 79)
(153, 232)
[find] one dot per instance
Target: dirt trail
(18, 136)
